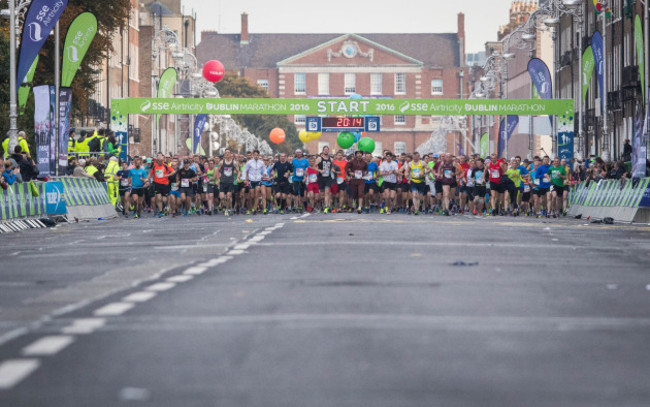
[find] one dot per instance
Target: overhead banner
(599, 58)
(25, 87)
(485, 145)
(40, 20)
(199, 124)
(506, 129)
(588, 64)
(77, 41)
(42, 128)
(316, 107)
(65, 103)
(640, 54)
(541, 77)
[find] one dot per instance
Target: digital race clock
(349, 123)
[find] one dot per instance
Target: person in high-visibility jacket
(91, 168)
(22, 142)
(81, 146)
(112, 180)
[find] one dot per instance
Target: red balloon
(213, 71)
(277, 135)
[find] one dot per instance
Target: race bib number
(185, 183)
(358, 174)
(227, 171)
(495, 174)
(124, 182)
(448, 174)
(368, 176)
(479, 176)
(313, 178)
(326, 173)
(205, 188)
(174, 186)
(160, 173)
(526, 188)
(339, 180)
(556, 174)
(546, 178)
(300, 172)
(417, 172)
(536, 182)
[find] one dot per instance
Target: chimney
(461, 38)
(244, 37)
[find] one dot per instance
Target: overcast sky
(482, 17)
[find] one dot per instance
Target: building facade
(409, 66)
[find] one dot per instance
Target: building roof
(266, 50)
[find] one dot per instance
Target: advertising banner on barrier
(40, 20)
(55, 199)
(42, 128)
(199, 124)
(65, 103)
(316, 107)
(77, 41)
(506, 129)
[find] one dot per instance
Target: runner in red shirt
(495, 172)
(160, 172)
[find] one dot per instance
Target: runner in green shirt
(558, 190)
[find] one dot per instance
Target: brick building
(426, 66)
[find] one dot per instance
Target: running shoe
(161, 214)
(136, 216)
(359, 210)
(266, 212)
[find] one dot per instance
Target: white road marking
(13, 371)
(116, 308)
(256, 239)
(242, 246)
(264, 233)
(84, 326)
(161, 286)
(221, 260)
(140, 296)
(279, 225)
(48, 345)
(195, 271)
(180, 279)
(236, 252)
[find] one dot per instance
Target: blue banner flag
(506, 131)
(199, 124)
(599, 58)
(39, 22)
(541, 77)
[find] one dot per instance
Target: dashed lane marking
(84, 326)
(161, 286)
(48, 345)
(195, 271)
(14, 371)
(113, 309)
(180, 279)
(140, 296)
(236, 252)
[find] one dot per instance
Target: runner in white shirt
(254, 170)
(389, 170)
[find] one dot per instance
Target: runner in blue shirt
(300, 165)
(138, 177)
(544, 188)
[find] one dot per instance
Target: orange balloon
(277, 135)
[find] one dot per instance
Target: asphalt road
(326, 310)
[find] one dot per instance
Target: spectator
(9, 173)
(27, 167)
(114, 148)
(627, 150)
(618, 171)
(72, 163)
(79, 170)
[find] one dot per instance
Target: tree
(112, 17)
(234, 86)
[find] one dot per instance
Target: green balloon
(366, 144)
(345, 140)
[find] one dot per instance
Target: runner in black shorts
(186, 176)
(281, 188)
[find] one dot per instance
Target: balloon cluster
(307, 136)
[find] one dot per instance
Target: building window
(350, 84)
(436, 87)
(300, 119)
(263, 83)
(400, 119)
(379, 149)
(300, 84)
(375, 84)
(400, 83)
(323, 84)
(322, 144)
(400, 147)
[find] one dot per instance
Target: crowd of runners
(330, 183)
